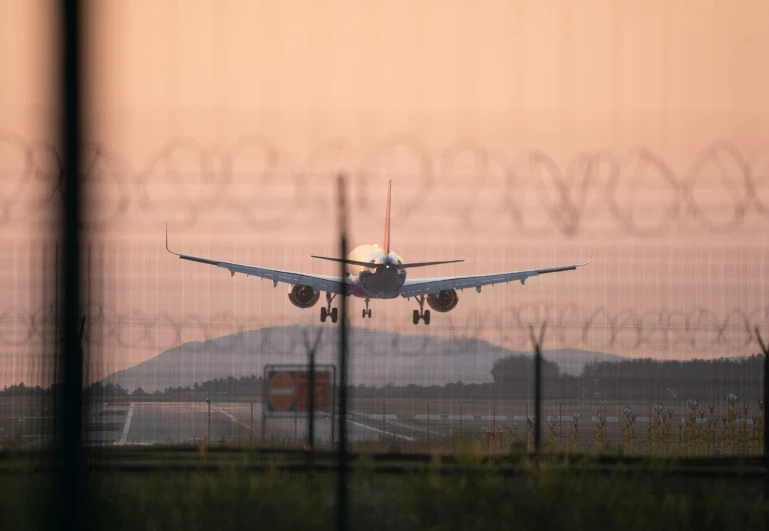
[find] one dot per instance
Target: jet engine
(445, 301)
(303, 296)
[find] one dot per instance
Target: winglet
(592, 250)
(167, 249)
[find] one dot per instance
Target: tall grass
(538, 498)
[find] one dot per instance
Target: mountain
(376, 358)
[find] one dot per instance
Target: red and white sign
(281, 391)
(288, 389)
(322, 390)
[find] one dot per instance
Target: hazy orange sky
(513, 131)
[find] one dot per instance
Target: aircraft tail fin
(386, 243)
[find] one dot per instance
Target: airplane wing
(417, 287)
(329, 284)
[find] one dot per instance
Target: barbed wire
(256, 182)
(597, 329)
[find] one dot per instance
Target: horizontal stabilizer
(346, 261)
(425, 264)
(369, 264)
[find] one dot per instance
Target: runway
(185, 422)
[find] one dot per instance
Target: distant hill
(377, 358)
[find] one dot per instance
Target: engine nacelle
(303, 296)
(445, 301)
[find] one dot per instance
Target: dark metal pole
(311, 404)
(537, 387)
(765, 350)
(68, 472)
(341, 502)
(537, 399)
(263, 428)
(333, 408)
(265, 399)
(384, 420)
(56, 396)
(311, 389)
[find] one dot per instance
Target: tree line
(512, 378)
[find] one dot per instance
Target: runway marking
(231, 417)
(380, 431)
(124, 436)
(399, 424)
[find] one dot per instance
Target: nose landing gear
(421, 313)
(327, 311)
(367, 312)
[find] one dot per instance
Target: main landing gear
(327, 311)
(421, 313)
(367, 312)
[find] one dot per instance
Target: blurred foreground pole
(765, 350)
(341, 496)
(311, 388)
(537, 342)
(311, 404)
(68, 470)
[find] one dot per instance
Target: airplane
(377, 273)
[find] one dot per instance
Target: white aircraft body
(376, 273)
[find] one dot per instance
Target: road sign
(287, 389)
(322, 390)
(281, 391)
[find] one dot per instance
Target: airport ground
(138, 480)
(400, 424)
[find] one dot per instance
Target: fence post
(537, 342)
(765, 350)
(341, 502)
(384, 421)
(208, 401)
(311, 388)
(68, 493)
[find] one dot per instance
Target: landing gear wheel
(364, 313)
(421, 313)
(369, 314)
(327, 311)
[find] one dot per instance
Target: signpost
(287, 392)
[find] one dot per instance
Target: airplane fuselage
(375, 272)
(383, 280)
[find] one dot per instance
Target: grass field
(537, 498)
